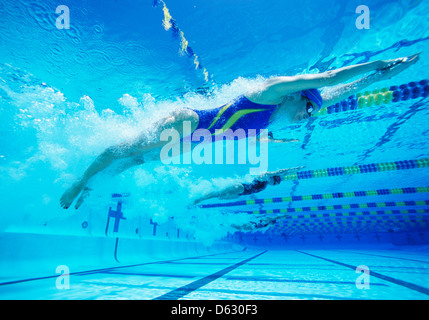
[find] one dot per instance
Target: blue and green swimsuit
(239, 114)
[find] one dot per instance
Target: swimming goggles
(310, 108)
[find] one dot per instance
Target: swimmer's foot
(71, 194)
(83, 196)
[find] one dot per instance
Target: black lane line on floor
(183, 291)
(240, 278)
(402, 283)
(88, 272)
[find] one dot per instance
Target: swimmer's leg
(282, 172)
(100, 163)
(125, 166)
(271, 138)
(83, 196)
(130, 149)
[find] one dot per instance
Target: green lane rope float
(169, 23)
(393, 94)
(347, 227)
(335, 195)
(361, 215)
(421, 220)
(363, 168)
(339, 171)
(354, 221)
(339, 207)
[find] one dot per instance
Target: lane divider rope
(359, 169)
(339, 207)
(368, 215)
(334, 195)
(169, 23)
(403, 92)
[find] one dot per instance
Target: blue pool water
(67, 94)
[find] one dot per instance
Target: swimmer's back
(241, 113)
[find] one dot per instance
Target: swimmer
(285, 99)
(257, 185)
(261, 224)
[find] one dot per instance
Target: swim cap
(314, 95)
(276, 180)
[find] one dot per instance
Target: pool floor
(248, 274)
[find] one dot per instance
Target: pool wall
(29, 255)
(86, 240)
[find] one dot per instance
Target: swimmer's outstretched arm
(344, 91)
(224, 194)
(276, 88)
(281, 172)
(262, 223)
(272, 139)
(280, 140)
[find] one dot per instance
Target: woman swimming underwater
(257, 185)
(280, 99)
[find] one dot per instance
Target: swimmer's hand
(271, 138)
(393, 67)
(283, 140)
(198, 200)
(194, 203)
(278, 140)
